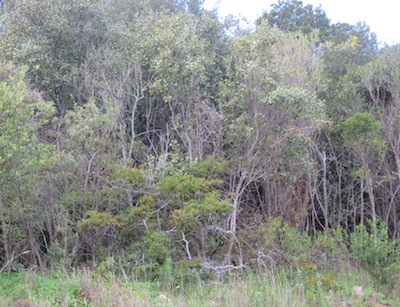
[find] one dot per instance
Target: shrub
(376, 252)
(285, 245)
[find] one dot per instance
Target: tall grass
(274, 288)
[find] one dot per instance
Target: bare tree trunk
(362, 201)
(232, 231)
(325, 191)
(241, 185)
(370, 190)
(4, 234)
(202, 251)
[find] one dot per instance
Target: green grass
(86, 288)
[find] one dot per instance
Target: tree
(53, 38)
(292, 16)
(23, 163)
(363, 134)
(187, 69)
(382, 82)
(270, 110)
(344, 46)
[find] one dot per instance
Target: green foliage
(190, 272)
(24, 164)
(25, 287)
(382, 77)
(287, 240)
(22, 114)
(181, 200)
(270, 100)
(374, 250)
(166, 273)
(157, 249)
(210, 168)
(305, 103)
(131, 175)
(89, 124)
(153, 252)
(285, 245)
(174, 151)
(361, 124)
(98, 219)
(53, 39)
(280, 288)
(363, 133)
(291, 16)
(193, 199)
(201, 211)
(184, 187)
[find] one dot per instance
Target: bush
(285, 245)
(376, 252)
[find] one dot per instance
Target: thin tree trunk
(233, 228)
(362, 201)
(8, 253)
(370, 189)
(325, 191)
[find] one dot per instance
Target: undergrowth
(307, 287)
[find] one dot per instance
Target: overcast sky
(382, 16)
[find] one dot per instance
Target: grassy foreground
(86, 288)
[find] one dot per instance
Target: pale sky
(382, 16)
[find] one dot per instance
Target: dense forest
(151, 136)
